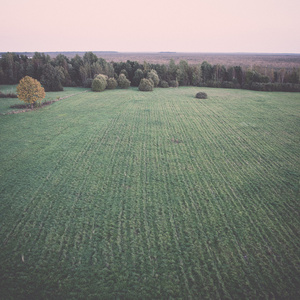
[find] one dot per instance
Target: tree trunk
(31, 105)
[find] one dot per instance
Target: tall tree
(51, 78)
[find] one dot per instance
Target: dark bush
(201, 95)
(138, 75)
(88, 83)
(146, 85)
(270, 87)
(164, 84)
(173, 83)
(111, 83)
(154, 77)
(52, 78)
(214, 83)
(228, 85)
(123, 82)
(99, 83)
(9, 95)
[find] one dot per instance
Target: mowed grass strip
(124, 194)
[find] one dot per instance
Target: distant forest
(61, 71)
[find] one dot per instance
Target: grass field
(126, 195)
(6, 103)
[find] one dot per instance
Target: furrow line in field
(121, 191)
(255, 226)
(163, 233)
(86, 148)
(257, 144)
(243, 175)
(34, 195)
(217, 203)
(114, 221)
(175, 154)
(190, 192)
(145, 168)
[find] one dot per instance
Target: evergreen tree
(51, 78)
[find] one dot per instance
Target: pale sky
(269, 26)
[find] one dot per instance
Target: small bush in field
(9, 95)
(123, 82)
(111, 83)
(99, 83)
(146, 85)
(164, 84)
(201, 95)
(173, 83)
(154, 77)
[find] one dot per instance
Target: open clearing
(124, 194)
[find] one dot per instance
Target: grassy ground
(6, 103)
(124, 194)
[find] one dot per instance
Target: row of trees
(61, 71)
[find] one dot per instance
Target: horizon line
(159, 52)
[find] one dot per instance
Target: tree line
(59, 72)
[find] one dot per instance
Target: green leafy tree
(207, 71)
(138, 76)
(183, 73)
(196, 75)
(111, 83)
(123, 82)
(52, 77)
(99, 83)
(90, 58)
(124, 71)
(238, 75)
(172, 71)
(76, 63)
(146, 85)
(173, 83)
(154, 77)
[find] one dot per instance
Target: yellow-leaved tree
(30, 90)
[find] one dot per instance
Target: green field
(131, 195)
(6, 103)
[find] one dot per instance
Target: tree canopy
(56, 73)
(30, 90)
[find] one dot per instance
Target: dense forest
(61, 71)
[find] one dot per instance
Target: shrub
(154, 77)
(201, 95)
(9, 95)
(228, 85)
(99, 83)
(111, 83)
(164, 84)
(151, 81)
(124, 72)
(173, 83)
(123, 82)
(145, 85)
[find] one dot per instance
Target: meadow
(131, 195)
